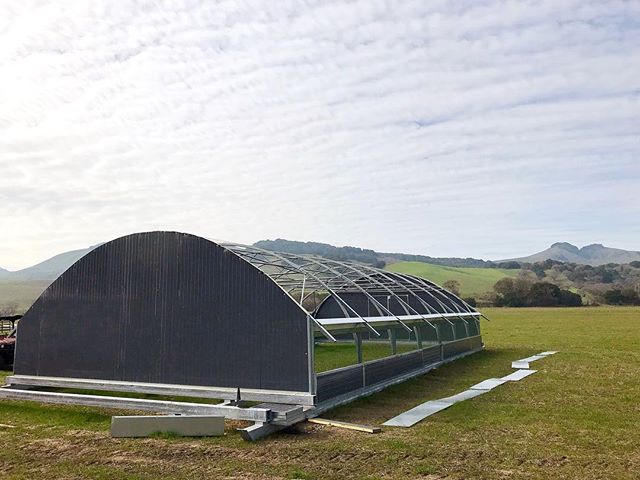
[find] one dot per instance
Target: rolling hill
(23, 287)
(595, 254)
(473, 281)
(21, 294)
(49, 269)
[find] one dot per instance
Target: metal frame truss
(310, 280)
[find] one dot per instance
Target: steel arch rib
(403, 287)
(229, 247)
(367, 294)
(344, 277)
(405, 305)
(312, 275)
(409, 279)
(466, 325)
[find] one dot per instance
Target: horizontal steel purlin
(195, 391)
(124, 403)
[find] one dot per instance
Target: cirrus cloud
(485, 129)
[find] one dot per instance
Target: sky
(485, 129)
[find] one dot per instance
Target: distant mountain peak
(593, 246)
(594, 254)
(49, 269)
(566, 246)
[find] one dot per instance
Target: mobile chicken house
(176, 314)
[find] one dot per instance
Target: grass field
(335, 355)
(577, 418)
(23, 293)
(473, 281)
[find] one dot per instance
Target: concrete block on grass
(180, 425)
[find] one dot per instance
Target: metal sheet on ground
(524, 362)
(518, 375)
(416, 414)
(489, 384)
(466, 395)
(413, 416)
(533, 358)
(419, 413)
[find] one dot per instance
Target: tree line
(325, 250)
(377, 259)
(522, 292)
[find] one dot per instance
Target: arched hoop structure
(162, 309)
(341, 295)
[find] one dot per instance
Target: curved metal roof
(310, 281)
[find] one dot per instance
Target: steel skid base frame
(267, 418)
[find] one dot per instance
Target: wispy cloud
(485, 129)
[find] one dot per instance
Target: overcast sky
(487, 129)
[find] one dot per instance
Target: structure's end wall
(166, 307)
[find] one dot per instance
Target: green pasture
(578, 417)
(473, 281)
(21, 293)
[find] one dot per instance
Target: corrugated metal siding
(383, 369)
(330, 308)
(474, 328)
(439, 302)
(451, 349)
(460, 327)
(166, 307)
(337, 382)
(475, 342)
(445, 329)
(432, 302)
(431, 355)
(344, 380)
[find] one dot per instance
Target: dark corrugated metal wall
(344, 380)
(330, 308)
(166, 307)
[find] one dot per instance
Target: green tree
(617, 296)
(453, 286)
(512, 292)
(471, 301)
(544, 294)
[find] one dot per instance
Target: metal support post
(357, 337)
(392, 339)
(416, 330)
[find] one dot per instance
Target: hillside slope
(22, 294)
(49, 269)
(356, 254)
(595, 254)
(473, 281)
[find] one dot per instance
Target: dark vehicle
(8, 341)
